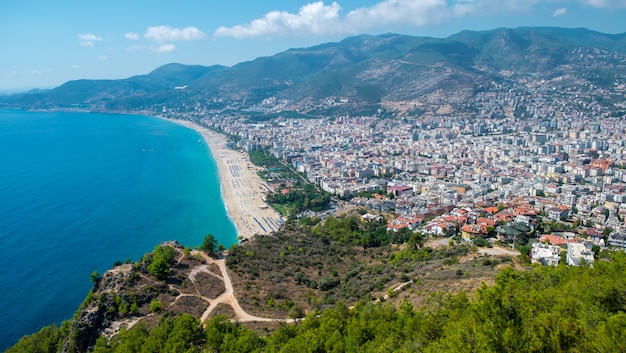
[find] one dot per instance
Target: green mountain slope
(562, 309)
(367, 70)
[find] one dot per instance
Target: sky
(46, 43)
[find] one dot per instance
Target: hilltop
(358, 74)
(188, 304)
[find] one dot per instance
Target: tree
(94, 277)
(159, 268)
(186, 335)
(155, 306)
(209, 245)
(596, 250)
(416, 241)
(161, 260)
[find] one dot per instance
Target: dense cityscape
(518, 155)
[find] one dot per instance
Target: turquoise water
(79, 191)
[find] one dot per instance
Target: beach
(242, 189)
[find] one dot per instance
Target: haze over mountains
(389, 71)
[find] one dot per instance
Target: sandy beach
(242, 189)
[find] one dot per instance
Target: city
(518, 154)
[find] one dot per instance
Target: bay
(79, 191)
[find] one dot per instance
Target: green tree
(416, 241)
(187, 335)
(159, 268)
(155, 306)
(131, 340)
(157, 339)
(209, 245)
(160, 260)
(94, 277)
(48, 340)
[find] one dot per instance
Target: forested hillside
(562, 309)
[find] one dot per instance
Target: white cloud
(36, 72)
(167, 34)
(403, 12)
(313, 18)
(75, 66)
(103, 58)
(163, 48)
(316, 18)
(88, 39)
(132, 36)
(559, 12)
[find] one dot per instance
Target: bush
(482, 242)
(155, 306)
(296, 312)
(327, 283)
(451, 261)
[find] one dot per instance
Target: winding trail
(228, 297)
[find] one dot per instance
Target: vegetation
(561, 309)
(345, 259)
(299, 197)
(159, 261)
(306, 77)
(49, 339)
(299, 200)
(263, 158)
(209, 245)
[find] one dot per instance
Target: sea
(80, 191)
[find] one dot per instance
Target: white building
(547, 255)
(577, 252)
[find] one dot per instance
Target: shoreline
(240, 187)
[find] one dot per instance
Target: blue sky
(45, 43)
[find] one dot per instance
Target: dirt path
(498, 251)
(228, 297)
(495, 250)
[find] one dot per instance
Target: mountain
(385, 71)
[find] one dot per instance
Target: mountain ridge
(377, 71)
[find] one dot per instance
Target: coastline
(241, 188)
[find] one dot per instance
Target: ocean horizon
(81, 191)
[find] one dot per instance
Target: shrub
(327, 283)
(155, 306)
